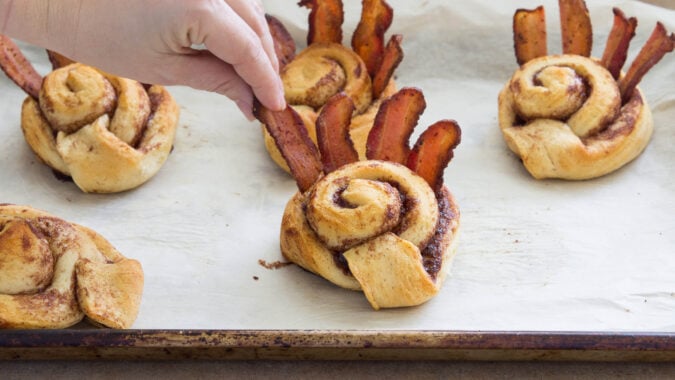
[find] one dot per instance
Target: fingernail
(281, 100)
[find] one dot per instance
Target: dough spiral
(54, 273)
(373, 226)
(563, 116)
(108, 133)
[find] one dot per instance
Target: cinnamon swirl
(54, 273)
(572, 116)
(326, 67)
(374, 226)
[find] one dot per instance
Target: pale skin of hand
(223, 46)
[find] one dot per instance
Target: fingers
(203, 71)
(253, 14)
(232, 39)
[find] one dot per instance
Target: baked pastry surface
(572, 116)
(108, 133)
(563, 116)
(374, 226)
(54, 273)
(326, 68)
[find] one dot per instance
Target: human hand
(222, 46)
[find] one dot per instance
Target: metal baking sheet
(544, 269)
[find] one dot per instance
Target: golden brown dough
(54, 273)
(374, 226)
(108, 133)
(563, 116)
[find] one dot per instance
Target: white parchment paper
(596, 255)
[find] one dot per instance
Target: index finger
(253, 14)
(231, 39)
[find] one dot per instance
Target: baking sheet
(533, 255)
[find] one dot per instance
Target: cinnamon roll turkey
(54, 273)
(572, 116)
(326, 67)
(109, 134)
(387, 225)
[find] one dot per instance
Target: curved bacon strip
(368, 38)
(58, 60)
(292, 140)
(616, 49)
(17, 67)
(332, 133)
(284, 46)
(658, 45)
(393, 55)
(577, 32)
(395, 121)
(434, 150)
(325, 20)
(529, 34)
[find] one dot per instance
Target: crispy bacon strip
(395, 121)
(284, 46)
(325, 20)
(17, 67)
(368, 38)
(529, 34)
(658, 45)
(332, 133)
(393, 55)
(577, 32)
(616, 49)
(58, 60)
(292, 140)
(434, 150)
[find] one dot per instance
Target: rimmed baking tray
(544, 269)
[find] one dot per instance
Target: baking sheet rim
(85, 344)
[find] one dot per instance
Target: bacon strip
(368, 38)
(658, 45)
(58, 60)
(332, 133)
(618, 42)
(395, 121)
(434, 150)
(325, 20)
(292, 140)
(284, 46)
(577, 32)
(17, 67)
(529, 34)
(393, 55)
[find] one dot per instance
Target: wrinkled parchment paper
(597, 255)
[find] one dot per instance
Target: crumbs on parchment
(274, 264)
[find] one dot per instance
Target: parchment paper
(596, 255)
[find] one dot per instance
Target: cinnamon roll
(572, 116)
(54, 273)
(326, 67)
(562, 115)
(386, 225)
(109, 134)
(374, 226)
